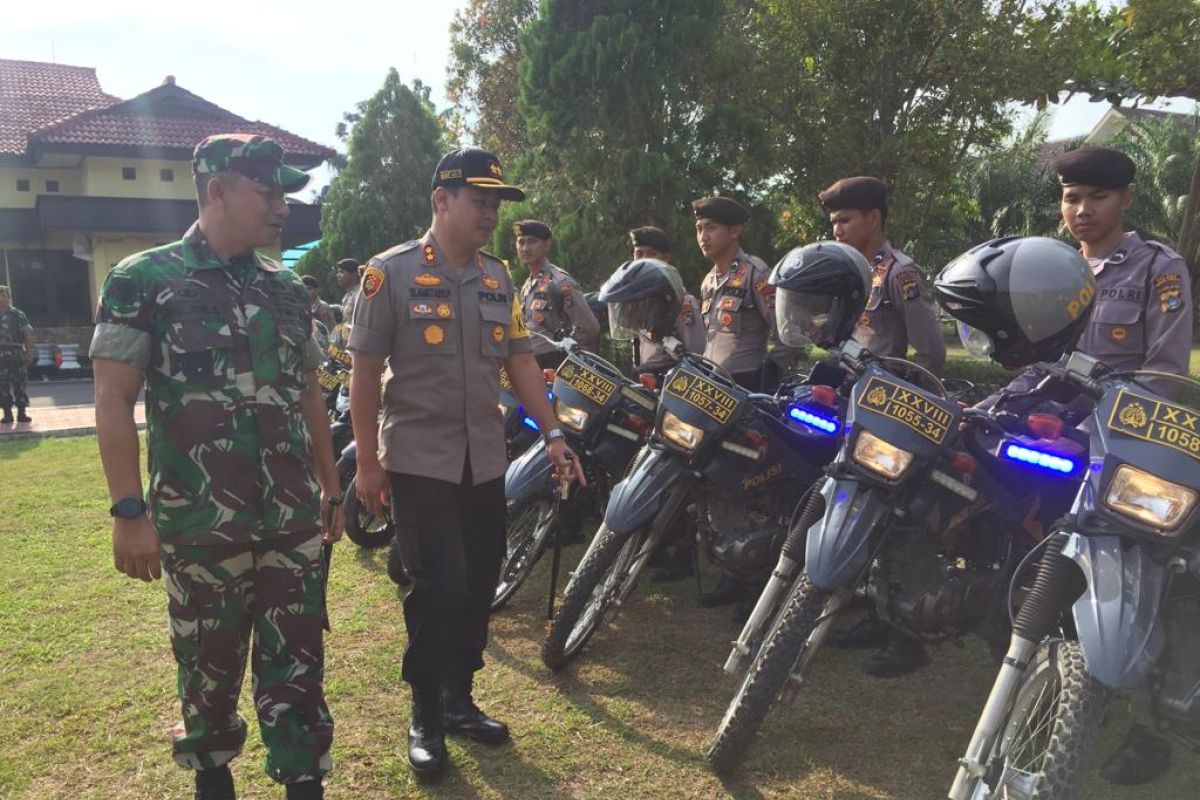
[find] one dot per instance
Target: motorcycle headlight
(681, 433)
(880, 457)
(1139, 495)
(570, 416)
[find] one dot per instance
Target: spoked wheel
(364, 528)
(1046, 747)
(789, 646)
(529, 528)
(600, 580)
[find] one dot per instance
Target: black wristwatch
(128, 508)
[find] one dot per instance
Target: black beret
(348, 265)
(531, 227)
(310, 281)
(1095, 166)
(859, 193)
(724, 210)
(649, 236)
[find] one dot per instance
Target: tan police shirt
(555, 307)
(445, 332)
(739, 313)
(900, 312)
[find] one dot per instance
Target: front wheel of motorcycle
(362, 527)
(793, 640)
(598, 581)
(1046, 746)
(529, 528)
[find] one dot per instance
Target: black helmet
(643, 295)
(822, 291)
(1018, 300)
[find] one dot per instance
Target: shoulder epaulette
(1166, 250)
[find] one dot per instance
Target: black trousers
(452, 540)
(550, 360)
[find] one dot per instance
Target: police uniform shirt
(553, 309)
(689, 329)
(348, 305)
(1141, 317)
(445, 332)
(739, 313)
(900, 312)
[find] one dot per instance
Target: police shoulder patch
(372, 281)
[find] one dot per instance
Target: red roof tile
(34, 94)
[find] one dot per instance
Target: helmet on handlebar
(821, 291)
(643, 295)
(1018, 300)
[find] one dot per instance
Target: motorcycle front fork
(973, 766)
(782, 577)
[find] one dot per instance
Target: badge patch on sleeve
(1170, 300)
(911, 289)
(372, 282)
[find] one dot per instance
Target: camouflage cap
(256, 157)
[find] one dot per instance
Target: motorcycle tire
(528, 530)
(598, 580)
(362, 527)
(1040, 761)
(767, 677)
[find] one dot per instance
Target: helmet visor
(628, 318)
(803, 318)
(977, 343)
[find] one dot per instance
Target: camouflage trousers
(13, 378)
(220, 596)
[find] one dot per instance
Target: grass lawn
(87, 697)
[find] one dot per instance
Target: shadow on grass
(12, 450)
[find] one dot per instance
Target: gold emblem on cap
(494, 168)
(449, 174)
(434, 334)
(425, 279)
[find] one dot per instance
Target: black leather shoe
(676, 568)
(901, 656)
(1143, 757)
(427, 734)
(306, 790)
(867, 632)
(215, 784)
(8, 417)
(21, 415)
(464, 718)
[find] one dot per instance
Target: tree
(380, 197)
(1164, 152)
(483, 73)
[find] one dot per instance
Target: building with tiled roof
(87, 179)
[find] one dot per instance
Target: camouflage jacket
(13, 327)
(225, 349)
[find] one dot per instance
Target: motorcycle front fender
(529, 475)
(838, 546)
(641, 494)
(1116, 618)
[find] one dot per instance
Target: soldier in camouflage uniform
(16, 354)
(236, 429)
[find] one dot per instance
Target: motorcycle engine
(738, 529)
(1176, 687)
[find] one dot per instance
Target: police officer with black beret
(900, 309)
(552, 299)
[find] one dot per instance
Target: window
(129, 173)
(51, 186)
(22, 184)
(52, 286)
(166, 175)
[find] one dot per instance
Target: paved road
(59, 394)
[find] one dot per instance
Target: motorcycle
(918, 515)
(1114, 603)
(733, 460)
(605, 416)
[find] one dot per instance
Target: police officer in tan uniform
(899, 311)
(736, 300)
(553, 302)
(651, 242)
(445, 317)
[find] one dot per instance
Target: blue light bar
(530, 423)
(812, 420)
(1037, 458)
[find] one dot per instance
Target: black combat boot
(901, 656)
(1143, 757)
(8, 417)
(215, 784)
(306, 790)
(427, 733)
(465, 718)
(21, 415)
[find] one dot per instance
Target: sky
(297, 64)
